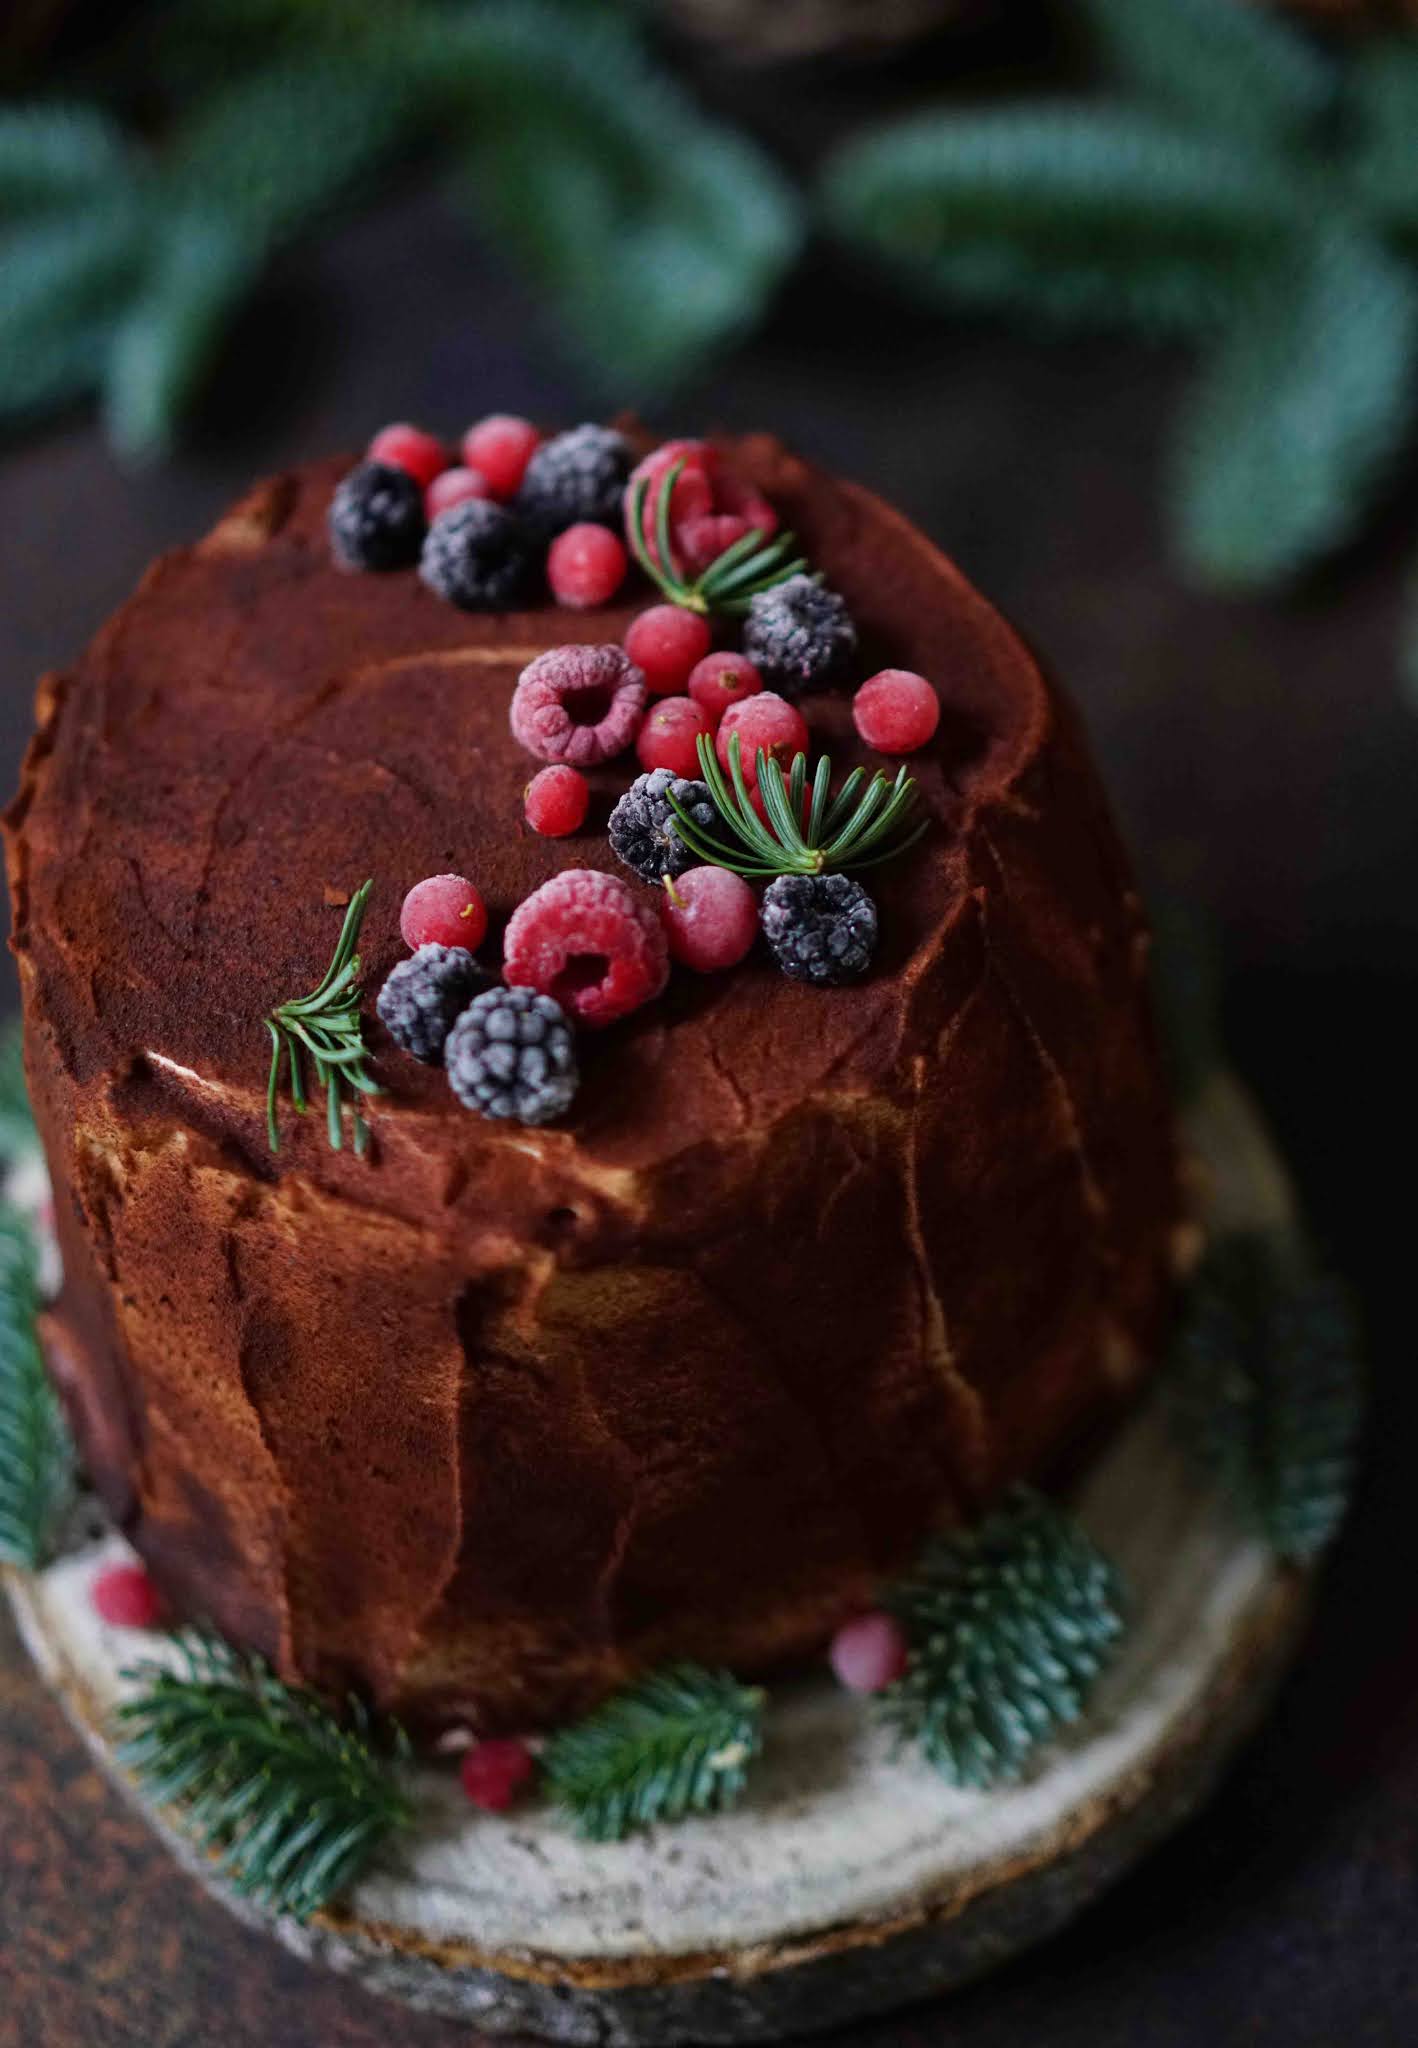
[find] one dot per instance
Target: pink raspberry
(422, 455)
(557, 800)
(710, 918)
(721, 680)
(453, 487)
(495, 1773)
(586, 566)
(501, 447)
(667, 738)
(443, 910)
(764, 720)
(125, 1597)
(896, 711)
(870, 1653)
(591, 943)
(578, 704)
(710, 509)
(666, 641)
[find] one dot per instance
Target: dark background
(1266, 766)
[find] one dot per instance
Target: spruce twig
(36, 1454)
(747, 566)
(18, 1135)
(806, 833)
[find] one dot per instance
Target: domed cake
(492, 1414)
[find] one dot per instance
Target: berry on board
(710, 918)
(799, 635)
(424, 996)
(642, 828)
(410, 448)
(376, 518)
(869, 1653)
(896, 711)
(443, 910)
(822, 928)
(591, 943)
(511, 1054)
(125, 1597)
(578, 704)
(668, 737)
(500, 446)
(574, 476)
(764, 721)
(666, 642)
(586, 566)
(478, 557)
(556, 800)
(494, 1773)
(454, 487)
(721, 680)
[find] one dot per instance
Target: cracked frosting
(496, 1417)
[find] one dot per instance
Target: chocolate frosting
(495, 1417)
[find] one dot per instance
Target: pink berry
(557, 800)
(410, 448)
(896, 711)
(494, 1773)
(710, 918)
(721, 680)
(443, 910)
(501, 447)
(453, 487)
(586, 566)
(125, 1597)
(666, 641)
(667, 738)
(590, 942)
(765, 721)
(578, 704)
(870, 1653)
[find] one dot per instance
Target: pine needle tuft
(36, 1455)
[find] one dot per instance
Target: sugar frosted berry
(721, 680)
(500, 446)
(425, 995)
(454, 487)
(642, 828)
(511, 1055)
(665, 642)
(669, 737)
(896, 711)
(822, 928)
(125, 1597)
(376, 518)
(574, 476)
(586, 566)
(710, 918)
(869, 1653)
(443, 910)
(799, 635)
(590, 942)
(495, 1773)
(478, 557)
(765, 722)
(410, 448)
(556, 801)
(578, 704)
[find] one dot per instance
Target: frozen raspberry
(125, 1597)
(896, 711)
(575, 476)
(721, 680)
(424, 996)
(799, 635)
(578, 704)
(511, 1054)
(454, 487)
(643, 831)
(765, 721)
(586, 566)
(557, 800)
(478, 557)
(410, 448)
(376, 518)
(494, 1774)
(710, 918)
(870, 1653)
(588, 941)
(501, 447)
(666, 641)
(668, 737)
(443, 910)
(710, 507)
(822, 928)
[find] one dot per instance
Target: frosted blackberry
(799, 636)
(511, 1054)
(580, 475)
(642, 828)
(478, 556)
(424, 997)
(822, 928)
(376, 518)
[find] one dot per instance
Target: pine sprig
(290, 1801)
(36, 1454)
(1009, 1626)
(679, 1742)
(18, 1135)
(327, 1026)
(1266, 1389)
(866, 823)
(746, 567)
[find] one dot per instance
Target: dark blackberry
(376, 518)
(642, 829)
(478, 556)
(822, 928)
(799, 635)
(511, 1054)
(425, 995)
(574, 476)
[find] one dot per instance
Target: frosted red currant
(710, 918)
(869, 1653)
(453, 487)
(586, 566)
(665, 642)
(721, 680)
(125, 1597)
(501, 447)
(765, 721)
(421, 455)
(556, 801)
(495, 1773)
(669, 736)
(443, 910)
(896, 711)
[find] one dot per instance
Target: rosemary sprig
(748, 565)
(858, 828)
(327, 1025)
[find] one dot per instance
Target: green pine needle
(18, 1135)
(291, 1802)
(327, 1027)
(36, 1455)
(679, 1742)
(747, 566)
(1266, 1389)
(1009, 1626)
(806, 833)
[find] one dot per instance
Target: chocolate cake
(494, 1416)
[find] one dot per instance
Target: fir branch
(1265, 1389)
(328, 1027)
(1009, 1625)
(290, 1802)
(55, 156)
(67, 281)
(36, 1454)
(806, 833)
(751, 564)
(1381, 113)
(679, 1742)
(18, 1135)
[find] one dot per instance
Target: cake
(495, 1416)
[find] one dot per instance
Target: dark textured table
(1262, 758)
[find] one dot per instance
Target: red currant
(125, 1597)
(501, 447)
(896, 711)
(721, 680)
(410, 448)
(557, 799)
(665, 642)
(870, 1653)
(443, 910)
(494, 1773)
(586, 566)
(453, 487)
(710, 918)
(765, 721)
(667, 738)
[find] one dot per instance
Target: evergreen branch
(1009, 1626)
(55, 156)
(36, 1455)
(67, 281)
(18, 1135)
(1265, 1389)
(290, 1802)
(747, 566)
(852, 832)
(327, 1027)
(679, 1742)
(1381, 115)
